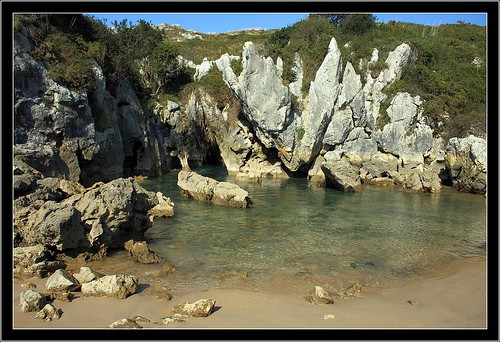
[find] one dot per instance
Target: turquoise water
(297, 235)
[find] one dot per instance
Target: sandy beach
(457, 300)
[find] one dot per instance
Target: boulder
(31, 300)
(61, 280)
(199, 187)
(48, 313)
(118, 286)
(341, 175)
(86, 275)
(200, 308)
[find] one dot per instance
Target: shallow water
(295, 235)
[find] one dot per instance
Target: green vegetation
(212, 46)
(351, 23)
(300, 132)
(444, 76)
(453, 88)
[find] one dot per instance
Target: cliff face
(267, 129)
(79, 136)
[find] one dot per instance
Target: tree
(350, 23)
(357, 23)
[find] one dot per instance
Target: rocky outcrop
(266, 101)
(35, 261)
(106, 214)
(78, 135)
(466, 163)
(203, 188)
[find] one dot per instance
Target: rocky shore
(76, 153)
(417, 305)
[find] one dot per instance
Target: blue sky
(218, 23)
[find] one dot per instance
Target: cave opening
(213, 155)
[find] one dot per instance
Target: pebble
(329, 316)
(412, 302)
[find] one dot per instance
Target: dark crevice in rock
(130, 161)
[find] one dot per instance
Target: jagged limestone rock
(318, 111)
(109, 214)
(466, 163)
(397, 59)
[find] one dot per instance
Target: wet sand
(456, 300)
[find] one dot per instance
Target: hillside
(393, 103)
(449, 73)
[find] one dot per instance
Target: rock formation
(203, 188)
(466, 161)
(106, 214)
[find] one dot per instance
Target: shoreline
(457, 299)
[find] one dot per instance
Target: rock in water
(205, 188)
